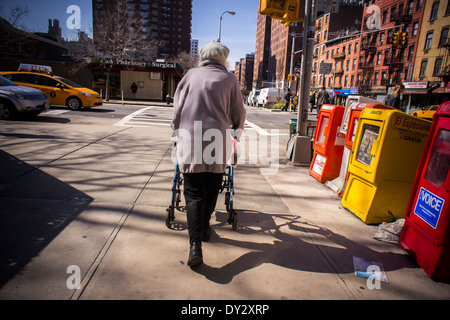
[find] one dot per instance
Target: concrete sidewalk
(97, 200)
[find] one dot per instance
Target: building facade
(261, 63)
(194, 48)
(384, 62)
(246, 71)
(168, 21)
(432, 45)
(280, 51)
(167, 24)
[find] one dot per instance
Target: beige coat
(208, 109)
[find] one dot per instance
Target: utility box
(426, 232)
(385, 155)
(328, 144)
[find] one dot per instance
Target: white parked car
(15, 100)
(270, 96)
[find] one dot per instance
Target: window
(423, 68)
(23, 77)
(393, 9)
(437, 66)
(428, 40)
(383, 21)
(356, 47)
(444, 36)
(410, 7)
(350, 48)
(415, 27)
(434, 10)
(411, 53)
(419, 5)
(378, 58)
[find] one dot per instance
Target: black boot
(206, 234)
(195, 254)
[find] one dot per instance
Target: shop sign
(416, 85)
(353, 90)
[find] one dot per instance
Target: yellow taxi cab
(60, 91)
(426, 114)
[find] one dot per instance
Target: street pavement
(83, 218)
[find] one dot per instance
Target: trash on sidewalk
(366, 268)
(390, 232)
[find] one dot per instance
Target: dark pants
(200, 193)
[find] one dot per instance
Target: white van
(271, 96)
(252, 96)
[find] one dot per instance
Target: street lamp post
(220, 21)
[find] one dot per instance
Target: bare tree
(119, 37)
(186, 61)
(16, 14)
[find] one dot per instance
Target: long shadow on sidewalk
(298, 245)
(34, 208)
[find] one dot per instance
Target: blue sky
(238, 31)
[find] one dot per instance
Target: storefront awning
(442, 90)
(418, 87)
(166, 67)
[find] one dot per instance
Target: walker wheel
(234, 222)
(168, 218)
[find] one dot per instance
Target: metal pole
(308, 46)
(291, 69)
(220, 22)
(220, 27)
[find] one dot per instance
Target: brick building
(382, 63)
(337, 42)
(280, 51)
(432, 54)
(168, 21)
(261, 62)
(273, 51)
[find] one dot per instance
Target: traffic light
(284, 10)
(292, 77)
(403, 38)
(396, 38)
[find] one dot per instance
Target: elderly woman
(208, 108)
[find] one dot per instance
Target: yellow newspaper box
(385, 155)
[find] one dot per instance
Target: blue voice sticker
(429, 207)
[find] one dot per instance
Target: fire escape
(445, 70)
(369, 47)
(394, 61)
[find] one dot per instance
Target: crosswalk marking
(55, 112)
(144, 118)
(152, 116)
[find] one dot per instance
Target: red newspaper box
(328, 143)
(426, 232)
